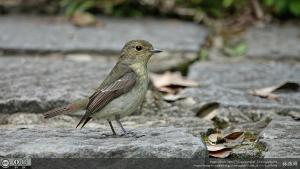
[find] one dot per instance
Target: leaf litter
(220, 145)
(84, 19)
(269, 92)
(171, 82)
(208, 110)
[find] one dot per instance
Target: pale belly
(125, 104)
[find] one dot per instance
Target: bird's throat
(140, 69)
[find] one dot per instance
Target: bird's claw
(108, 135)
(126, 135)
(131, 134)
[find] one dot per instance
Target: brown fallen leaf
(268, 92)
(171, 82)
(207, 111)
(221, 153)
(215, 147)
(218, 151)
(83, 19)
(294, 115)
(234, 135)
(235, 138)
(172, 97)
(215, 138)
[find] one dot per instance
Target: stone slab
(194, 125)
(32, 33)
(36, 84)
(282, 138)
(244, 74)
(229, 84)
(90, 143)
(276, 42)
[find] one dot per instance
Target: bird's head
(137, 51)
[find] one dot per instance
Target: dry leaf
(207, 111)
(234, 135)
(294, 115)
(215, 138)
(224, 150)
(82, 19)
(221, 153)
(172, 97)
(234, 139)
(171, 82)
(218, 151)
(215, 147)
(238, 140)
(268, 91)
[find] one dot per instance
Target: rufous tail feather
(70, 108)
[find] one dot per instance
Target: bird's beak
(156, 51)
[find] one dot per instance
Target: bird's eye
(138, 48)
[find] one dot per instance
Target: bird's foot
(126, 135)
(109, 135)
(131, 134)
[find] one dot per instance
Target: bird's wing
(107, 93)
(117, 72)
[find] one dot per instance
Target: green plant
(236, 50)
(108, 7)
(283, 7)
(203, 54)
(212, 8)
(72, 6)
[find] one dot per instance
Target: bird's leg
(120, 124)
(112, 129)
(126, 133)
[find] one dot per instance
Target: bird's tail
(70, 108)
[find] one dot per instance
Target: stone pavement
(51, 34)
(282, 138)
(276, 42)
(91, 143)
(230, 84)
(69, 63)
(36, 84)
(46, 62)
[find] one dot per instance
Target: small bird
(121, 92)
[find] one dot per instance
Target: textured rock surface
(38, 84)
(52, 34)
(194, 125)
(282, 138)
(75, 143)
(34, 84)
(229, 84)
(274, 42)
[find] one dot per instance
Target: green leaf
(239, 50)
(203, 54)
(294, 7)
(269, 2)
(280, 5)
(71, 8)
(86, 5)
(227, 3)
